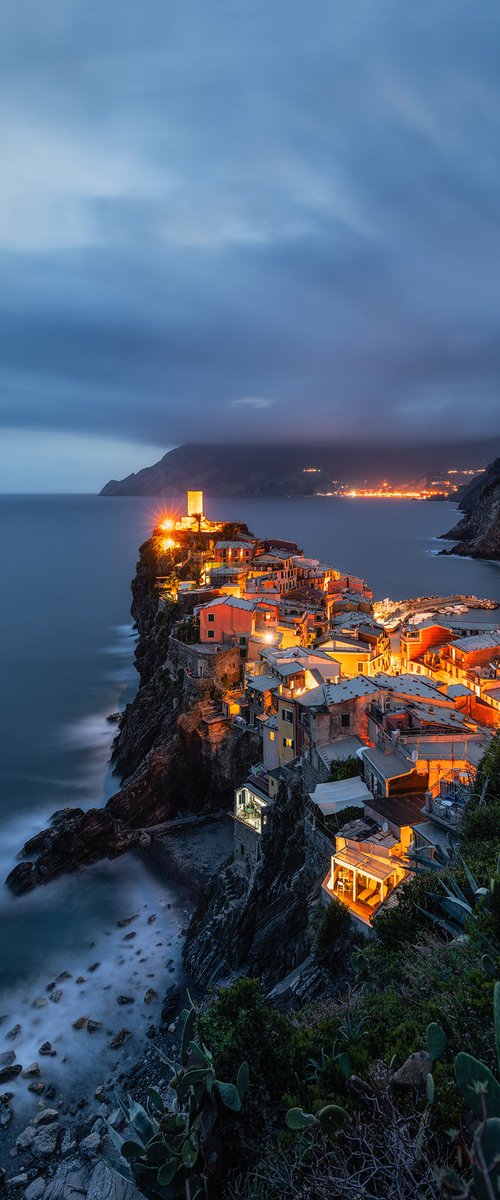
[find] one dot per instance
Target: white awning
(333, 797)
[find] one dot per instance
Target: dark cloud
(275, 219)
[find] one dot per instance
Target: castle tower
(194, 504)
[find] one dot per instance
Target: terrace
(362, 877)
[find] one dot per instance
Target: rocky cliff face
(258, 923)
(477, 535)
(172, 756)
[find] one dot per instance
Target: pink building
(228, 618)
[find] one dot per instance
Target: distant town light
(167, 524)
(169, 544)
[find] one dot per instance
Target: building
(252, 805)
(364, 874)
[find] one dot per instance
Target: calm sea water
(66, 663)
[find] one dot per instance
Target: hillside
(478, 532)
(283, 470)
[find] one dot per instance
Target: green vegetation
(388, 1084)
(175, 1152)
(346, 768)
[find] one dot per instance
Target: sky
(223, 220)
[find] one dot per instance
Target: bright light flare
(167, 524)
(169, 544)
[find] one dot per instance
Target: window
(211, 633)
(345, 720)
(242, 641)
(211, 616)
(287, 715)
(360, 668)
(272, 735)
(288, 743)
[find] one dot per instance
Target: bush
(346, 768)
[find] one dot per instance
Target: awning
(333, 797)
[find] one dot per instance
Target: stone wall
(319, 849)
(223, 665)
(246, 845)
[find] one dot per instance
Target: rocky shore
(168, 763)
(53, 1115)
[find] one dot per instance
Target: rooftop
(389, 766)
(401, 810)
(338, 693)
(481, 641)
(339, 750)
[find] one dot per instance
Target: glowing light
(167, 524)
(269, 637)
(168, 544)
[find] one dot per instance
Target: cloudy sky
(229, 219)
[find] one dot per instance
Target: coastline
(186, 858)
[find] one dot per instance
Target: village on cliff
(381, 711)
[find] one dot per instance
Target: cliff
(477, 534)
(259, 924)
(175, 752)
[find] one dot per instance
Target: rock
(45, 1140)
(151, 919)
(45, 1117)
(69, 1183)
(47, 1049)
(25, 1138)
(69, 1142)
(6, 1115)
(23, 878)
(50, 1093)
(81, 979)
(80, 1023)
(8, 1057)
(128, 936)
(93, 966)
(14, 1032)
(11, 1072)
(40, 1002)
(150, 996)
(170, 1004)
(57, 995)
(100, 1092)
(36, 1189)
(37, 1088)
(125, 1000)
(119, 1038)
(63, 977)
(414, 1071)
(18, 1180)
(105, 1185)
(90, 1145)
(126, 921)
(32, 1071)
(93, 1026)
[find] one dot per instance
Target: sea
(66, 662)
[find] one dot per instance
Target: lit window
(288, 743)
(272, 735)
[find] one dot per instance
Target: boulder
(414, 1070)
(36, 1190)
(45, 1117)
(69, 1183)
(22, 878)
(32, 1071)
(119, 1038)
(47, 1049)
(10, 1072)
(45, 1140)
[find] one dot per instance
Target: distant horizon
(103, 461)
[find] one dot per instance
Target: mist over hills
(283, 470)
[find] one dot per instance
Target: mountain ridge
(253, 469)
